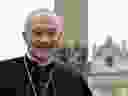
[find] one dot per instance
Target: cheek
(52, 38)
(55, 38)
(34, 41)
(34, 44)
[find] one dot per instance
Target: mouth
(44, 45)
(37, 58)
(41, 59)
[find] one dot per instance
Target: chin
(43, 64)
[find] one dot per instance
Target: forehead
(50, 21)
(39, 20)
(44, 20)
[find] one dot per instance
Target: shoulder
(12, 60)
(69, 73)
(16, 64)
(12, 73)
(71, 79)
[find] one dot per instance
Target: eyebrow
(49, 29)
(37, 28)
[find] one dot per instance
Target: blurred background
(106, 17)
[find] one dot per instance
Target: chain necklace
(31, 82)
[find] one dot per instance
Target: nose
(44, 39)
(44, 42)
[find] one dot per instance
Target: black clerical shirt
(41, 75)
(67, 82)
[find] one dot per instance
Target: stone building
(123, 64)
(100, 67)
(109, 49)
(124, 51)
(106, 57)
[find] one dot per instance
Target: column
(120, 92)
(120, 88)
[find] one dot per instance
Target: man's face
(47, 32)
(44, 32)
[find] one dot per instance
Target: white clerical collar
(28, 55)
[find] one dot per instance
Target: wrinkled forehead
(52, 21)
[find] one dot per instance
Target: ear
(60, 40)
(24, 34)
(61, 36)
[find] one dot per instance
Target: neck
(45, 63)
(36, 66)
(28, 55)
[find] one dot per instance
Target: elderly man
(44, 75)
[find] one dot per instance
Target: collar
(34, 66)
(55, 57)
(29, 57)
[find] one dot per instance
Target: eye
(36, 33)
(51, 33)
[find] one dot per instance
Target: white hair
(37, 12)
